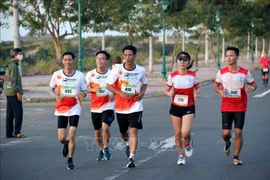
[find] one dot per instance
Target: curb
(146, 96)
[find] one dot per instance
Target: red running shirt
(234, 83)
(183, 86)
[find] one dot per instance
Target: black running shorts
(229, 117)
(181, 111)
(133, 120)
(63, 121)
(264, 72)
(106, 117)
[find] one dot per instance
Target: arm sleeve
(197, 81)
(218, 78)
(144, 77)
(249, 79)
(169, 81)
(88, 78)
(113, 77)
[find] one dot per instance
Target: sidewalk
(36, 88)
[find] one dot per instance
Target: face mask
(20, 57)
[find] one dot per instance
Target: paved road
(38, 156)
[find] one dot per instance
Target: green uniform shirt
(11, 68)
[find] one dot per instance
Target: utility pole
(16, 25)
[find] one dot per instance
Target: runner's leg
(177, 126)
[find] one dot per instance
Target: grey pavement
(38, 156)
(37, 87)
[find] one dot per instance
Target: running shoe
(65, 149)
(130, 163)
(181, 160)
(189, 148)
(127, 151)
(107, 155)
(237, 161)
(227, 148)
(100, 156)
(70, 166)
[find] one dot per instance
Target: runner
(235, 82)
(265, 62)
(184, 88)
(102, 103)
(117, 62)
(129, 82)
(68, 82)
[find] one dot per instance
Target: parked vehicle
(2, 73)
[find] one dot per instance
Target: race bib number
(233, 93)
(181, 100)
(130, 89)
(68, 91)
(102, 92)
(265, 69)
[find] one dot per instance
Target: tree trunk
(263, 47)
(183, 40)
(248, 47)
(256, 47)
(174, 50)
(150, 69)
(212, 48)
(17, 42)
(198, 47)
(57, 45)
(103, 40)
(206, 58)
(129, 38)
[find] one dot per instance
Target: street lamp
(165, 4)
(217, 17)
(80, 35)
(252, 24)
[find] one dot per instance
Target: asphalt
(36, 88)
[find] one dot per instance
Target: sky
(6, 34)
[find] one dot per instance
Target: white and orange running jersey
(129, 82)
(99, 100)
(234, 85)
(68, 87)
(183, 86)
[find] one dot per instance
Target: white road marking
(262, 94)
(37, 109)
(165, 145)
(21, 141)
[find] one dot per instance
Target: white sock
(132, 156)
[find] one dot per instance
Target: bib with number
(265, 69)
(68, 91)
(127, 88)
(181, 100)
(102, 92)
(234, 93)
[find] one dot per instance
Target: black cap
(183, 55)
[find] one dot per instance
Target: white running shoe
(181, 160)
(189, 149)
(237, 161)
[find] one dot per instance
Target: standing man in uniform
(128, 82)
(14, 91)
(232, 83)
(70, 89)
(102, 103)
